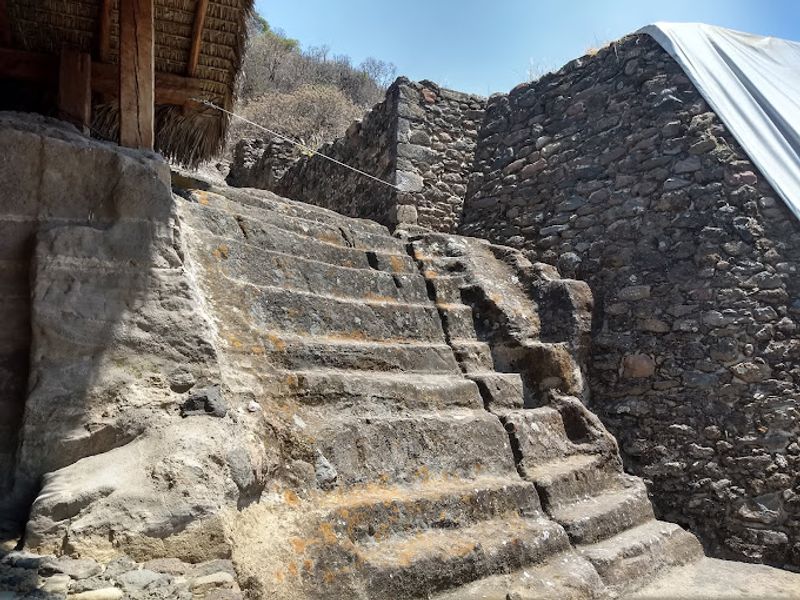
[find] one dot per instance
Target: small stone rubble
(26, 576)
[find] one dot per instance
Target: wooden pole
(104, 32)
(197, 37)
(136, 74)
(75, 88)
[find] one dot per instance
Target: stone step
(409, 448)
(437, 560)
(237, 228)
(247, 262)
(446, 287)
(472, 355)
(540, 435)
(591, 520)
(306, 313)
(376, 513)
(372, 393)
(458, 321)
(632, 558)
(299, 353)
(565, 480)
(271, 204)
(563, 577)
(501, 392)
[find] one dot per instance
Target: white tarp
(753, 84)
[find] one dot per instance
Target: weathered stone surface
(688, 255)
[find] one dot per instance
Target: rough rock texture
(261, 163)
(421, 138)
(119, 339)
(615, 170)
(226, 379)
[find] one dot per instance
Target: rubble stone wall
(615, 169)
(437, 135)
(369, 146)
(422, 139)
(260, 163)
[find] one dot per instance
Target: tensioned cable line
(298, 144)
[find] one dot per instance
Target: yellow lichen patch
(221, 252)
(397, 263)
(308, 565)
(327, 533)
(202, 197)
(291, 498)
(292, 568)
(378, 298)
(431, 274)
(277, 343)
(257, 349)
(234, 342)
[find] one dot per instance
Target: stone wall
(422, 139)
(261, 163)
(616, 170)
(369, 146)
(437, 133)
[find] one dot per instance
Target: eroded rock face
(119, 341)
(236, 380)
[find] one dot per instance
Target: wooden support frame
(75, 88)
(43, 68)
(136, 74)
(197, 37)
(103, 32)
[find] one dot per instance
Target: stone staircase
(430, 453)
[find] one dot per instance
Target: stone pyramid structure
(238, 395)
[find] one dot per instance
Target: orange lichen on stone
(221, 252)
(327, 533)
(277, 343)
(291, 498)
(397, 264)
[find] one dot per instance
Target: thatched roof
(188, 133)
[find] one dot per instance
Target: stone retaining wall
(260, 163)
(616, 170)
(421, 138)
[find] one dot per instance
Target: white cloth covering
(753, 84)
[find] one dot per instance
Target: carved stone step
(630, 559)
(408, 448)
(562, 481)
(473, 356)
(261, 233)
(501, 392)
(371, 393)
(376, 513)
(291, 211)
(433, 561)
(305, 313)
(565, 577)
(240, 260)
(298, 353)
(599, 517)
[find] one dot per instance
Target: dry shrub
(312, 114)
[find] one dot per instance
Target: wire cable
(298, 144)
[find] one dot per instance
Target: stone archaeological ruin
(340, 390)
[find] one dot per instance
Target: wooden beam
(43, 68)
(75, 88)
(197, 37)
(136, 74)
(5, 25)
(103, 32)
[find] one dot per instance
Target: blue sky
(484, 47)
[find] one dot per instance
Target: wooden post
(104, 32)
(197, 37)
(75, 88)
(136, 74)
